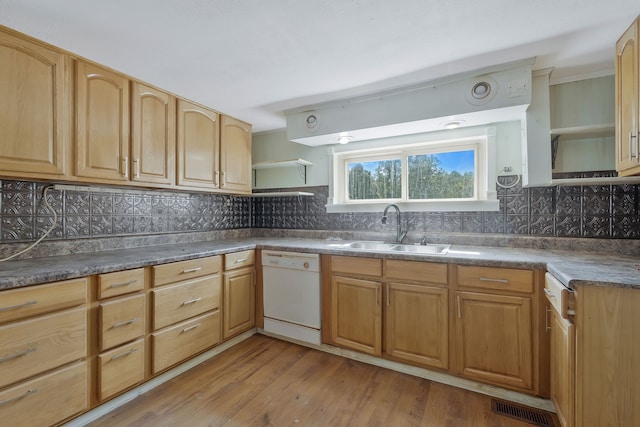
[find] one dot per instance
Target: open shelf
(281, 164)
(282, 193)
(587, 131)
(300, 163)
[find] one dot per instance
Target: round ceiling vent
(311, 121)
(482, 90)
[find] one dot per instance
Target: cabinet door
(153, 135)
(239, 302)
(235, 155)
(198, 146)
(563, 365)
(102, 139)
(417, 326)
(356, 320)
(627, 102)
(494, 339)
(34, 111)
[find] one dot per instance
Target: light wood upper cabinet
(198, 146)
(235, 155)
(627, 96)
(35, 110)
(153, 135)
(102, 121)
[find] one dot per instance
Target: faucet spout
(400, 233)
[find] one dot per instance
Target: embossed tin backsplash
(607, 211)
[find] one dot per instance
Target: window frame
(482, 143)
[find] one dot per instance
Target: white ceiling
(253, 59)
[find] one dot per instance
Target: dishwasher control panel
(291, 260)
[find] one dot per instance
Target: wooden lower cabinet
(47, 399)
(120, 369)
(563, 365)
(356, 314)
(121, 320)
(179, 342)
(607, 356)
(239, 301)
(494, 339)
(33, 346)
(417, 324)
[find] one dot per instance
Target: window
(433, 175)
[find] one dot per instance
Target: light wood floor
(267, 382)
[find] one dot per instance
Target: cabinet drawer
(120, 283)
(557, 295)
(499, 279)
(33, 346)
(121, 320)
(120, 369)
(415, 270)
(184, 270)
(239, 259)
(175, 303)
(26, 302)
(356, 265)
(182, 341)
(46, 400)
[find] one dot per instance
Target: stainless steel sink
(370, 246)
(432, 249)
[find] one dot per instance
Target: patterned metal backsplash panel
(24, 217)
(606, 211)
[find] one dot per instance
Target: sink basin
(370, 246)
(432, 249)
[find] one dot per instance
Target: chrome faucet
(400, 234)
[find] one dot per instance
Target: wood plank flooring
(267, 382)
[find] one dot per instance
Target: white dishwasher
(291, 284)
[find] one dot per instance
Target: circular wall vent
(482, 90)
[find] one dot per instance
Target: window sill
(448, 206)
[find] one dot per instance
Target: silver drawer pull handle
(120, 356)
(192, 270)
(125, 323)
(18, 354)
(488, 279)
(548, 293)
(191, 327)
(191, 301)
(14, 307)
(120, 285)
(23, 395)
(240, 260)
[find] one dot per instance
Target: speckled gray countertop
(571, 268)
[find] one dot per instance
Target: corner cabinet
(35, 109)
(235, 155)
(627, 96)
(102, 123)
(198, 146)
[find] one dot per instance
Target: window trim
(484, 140)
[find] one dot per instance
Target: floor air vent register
(522, 413)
